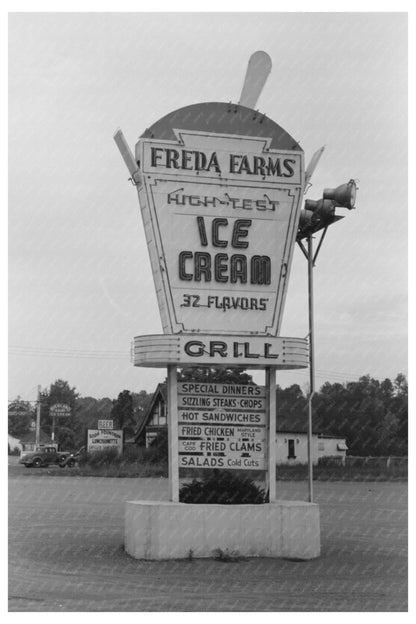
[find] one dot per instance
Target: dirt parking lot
(66, 553)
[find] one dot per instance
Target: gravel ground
(66, 553)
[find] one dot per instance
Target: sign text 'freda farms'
(192, 160)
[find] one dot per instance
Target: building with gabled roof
(155, 418)
(28, 441)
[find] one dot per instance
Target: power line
(126, 356)
(341, 377)
(68, 353)
(64, 350)
(107, 354)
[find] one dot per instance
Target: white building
(27, 442)
(14, 443)
(292, 447)
(292, 441)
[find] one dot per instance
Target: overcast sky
(80, 284)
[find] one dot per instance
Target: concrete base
(163, 530)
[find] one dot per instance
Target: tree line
(372, 415)
(71, 432)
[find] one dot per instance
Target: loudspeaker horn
(343, 196)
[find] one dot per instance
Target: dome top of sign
(221, 118)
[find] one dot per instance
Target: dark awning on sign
(342, 446)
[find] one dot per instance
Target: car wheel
(37, 463)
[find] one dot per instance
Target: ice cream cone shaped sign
(220, 189)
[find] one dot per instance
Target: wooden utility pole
(37, 438)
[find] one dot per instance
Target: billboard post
(318, 216)
(173, 459)
(271, 396)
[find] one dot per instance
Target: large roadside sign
(222, 426)
(220, 213)
(220, 190)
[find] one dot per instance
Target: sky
(79, 280)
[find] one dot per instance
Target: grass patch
(145, 470)
(139, 462)
(121, 471)
(227, 556)
(284, 473)
(364, 472)
(135, 461)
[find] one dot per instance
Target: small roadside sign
(60, 410)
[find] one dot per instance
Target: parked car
(46, 455)
(71, 458)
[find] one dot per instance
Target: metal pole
(37, 434)
(271, 431)
(173, 458)
(311, 365)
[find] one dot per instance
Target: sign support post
(311, 366)
(271, 408)
(173, 456)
